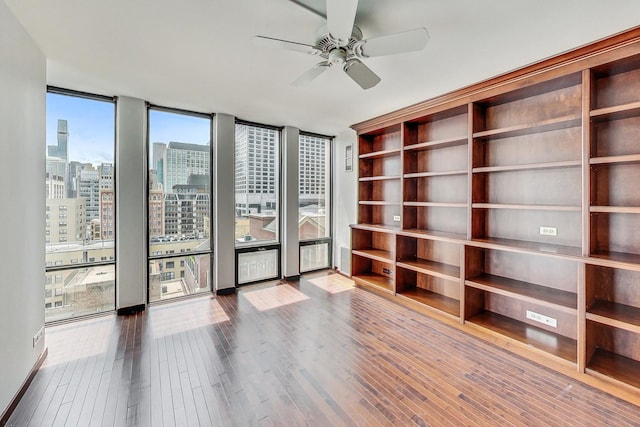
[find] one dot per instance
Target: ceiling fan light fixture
(340, 42)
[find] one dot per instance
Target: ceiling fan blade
(309, 75)
(341, 15)
(285, 44)
(361, 74)
(391, 44)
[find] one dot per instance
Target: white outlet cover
(548, 231)
(541, 318)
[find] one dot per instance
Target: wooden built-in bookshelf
(512, 208)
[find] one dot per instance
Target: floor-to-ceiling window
(257, 204)
(80, 205)
(180, 213)
(314, 199)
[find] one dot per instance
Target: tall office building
(65, 220)
(181, 160)
(157, 156)
(256, 169)
(187, 208)
(312, 173)
(106, 176)
(62, 148)
(89, 189)
(107, 214)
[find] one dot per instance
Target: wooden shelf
(375, 227)
(442, 143)
(377, 254)
(554, 344)
(378, 178)
(431, 174)
(374, 280)
(617, 257)
(556, 150)
(526, 207)
(435, 300)
(630, 158)
(378, 203)
(530, 166)
(433, 234)
(615, 315)
(435, 204)
(437, 269)
(542, 295)
(523, 246)
(615, 366)
(564, 122)
(383, 153)
(615, 209)
(616, 112)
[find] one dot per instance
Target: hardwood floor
(305, 356)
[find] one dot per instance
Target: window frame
(57, 266)
(326, 239)
(164, 257)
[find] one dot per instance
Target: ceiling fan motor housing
(332, 50)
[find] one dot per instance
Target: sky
(91, 127)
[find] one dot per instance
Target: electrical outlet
(396, 218)
(38, 336)
(541, 318)
(548, 231)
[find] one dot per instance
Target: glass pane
(179, 183)
(80, 291)
(257, 183)
(314, 185)
(177, 277)
(80, 215)
(314, 257)
(259, 265)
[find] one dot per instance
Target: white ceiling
(198, 55)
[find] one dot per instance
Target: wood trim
(4, 418)
(226, 291)
(623, 44)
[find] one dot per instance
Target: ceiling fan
(340, 44)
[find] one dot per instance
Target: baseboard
(342, 274)
(4, 418)
(133, 309)
(292, 278)
(226, 291)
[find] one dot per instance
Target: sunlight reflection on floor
(333, 283)
(277, 296)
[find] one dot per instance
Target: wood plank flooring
(333, 358)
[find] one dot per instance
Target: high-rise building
(62, 148)
(106, 176)
(156, 213)
(187, 209)
(182, 160)
(55, 186)
(89, 189)
(159, 148)
(313, 178)
(65, 220)
(107, 230)
(256, 169)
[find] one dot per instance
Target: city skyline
(92, 131)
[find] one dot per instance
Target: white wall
(224, 238)
(131, 213)
(345, 196)
(22, 215)
(290, 206)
